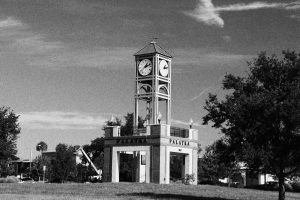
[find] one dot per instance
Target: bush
(9, 179)
(3, 180)
(212, 182)
(288, 187)
(189, 179)
(296, 186)
(272, 186)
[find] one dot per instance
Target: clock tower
(152, 85)
(154, 143)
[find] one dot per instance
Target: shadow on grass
(170, 196)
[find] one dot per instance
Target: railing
(153, 130)
(179, 132)
(141, 131)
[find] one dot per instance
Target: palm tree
(41, 146)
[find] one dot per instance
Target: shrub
(288, 187)
(9, 179)
(296, 186)
(3, 180)
(189, 179)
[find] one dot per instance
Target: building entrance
(177, 167)
(126, 168)
(132, 166)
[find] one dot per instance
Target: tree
(41, 146)
(37, 167)
(218, 162)
(96, 153)
(9, 131)
(65, 163)
(127, 128)
(260, 115)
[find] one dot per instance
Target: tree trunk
(229, 181)
(281, 187)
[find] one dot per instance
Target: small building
(52, 157)
(22, 167)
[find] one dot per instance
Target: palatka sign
(179, 142)
(132, 141)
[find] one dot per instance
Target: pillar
(107, 165)
(115, 166)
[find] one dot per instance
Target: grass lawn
(34, 191)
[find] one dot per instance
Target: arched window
(163, 89)
(146, 88)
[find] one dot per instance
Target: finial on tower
(112, 119)
(154, 40)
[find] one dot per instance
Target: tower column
(136, 114)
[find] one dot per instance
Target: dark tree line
(218, 163)
(63, 167)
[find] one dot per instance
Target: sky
(67, 66)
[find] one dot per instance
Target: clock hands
(147, 65)
(147, 68)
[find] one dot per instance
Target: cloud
(10, 22)
(201, 57)
(213, 86)
(58, 120)
(226, 38)
(201, 93)
(206, 12)
(35, 45)
(99, 57)
(187, 123)
(19, 44)
(63, 120)
(209, 14)
(296, 17)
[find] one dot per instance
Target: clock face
(163, 68)
(145, 67)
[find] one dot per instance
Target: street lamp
(191, 123)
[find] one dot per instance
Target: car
(27, 180)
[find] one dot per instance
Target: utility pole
(30, 161)
(44, 173)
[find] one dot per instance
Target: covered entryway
(177, 167)
(127, 167)
(132, 165)
(158, 156)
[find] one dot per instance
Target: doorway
(177, 167)
(127, 168)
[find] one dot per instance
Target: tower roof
(152, 48)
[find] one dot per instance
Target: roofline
(169, 56)
(155, 48)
